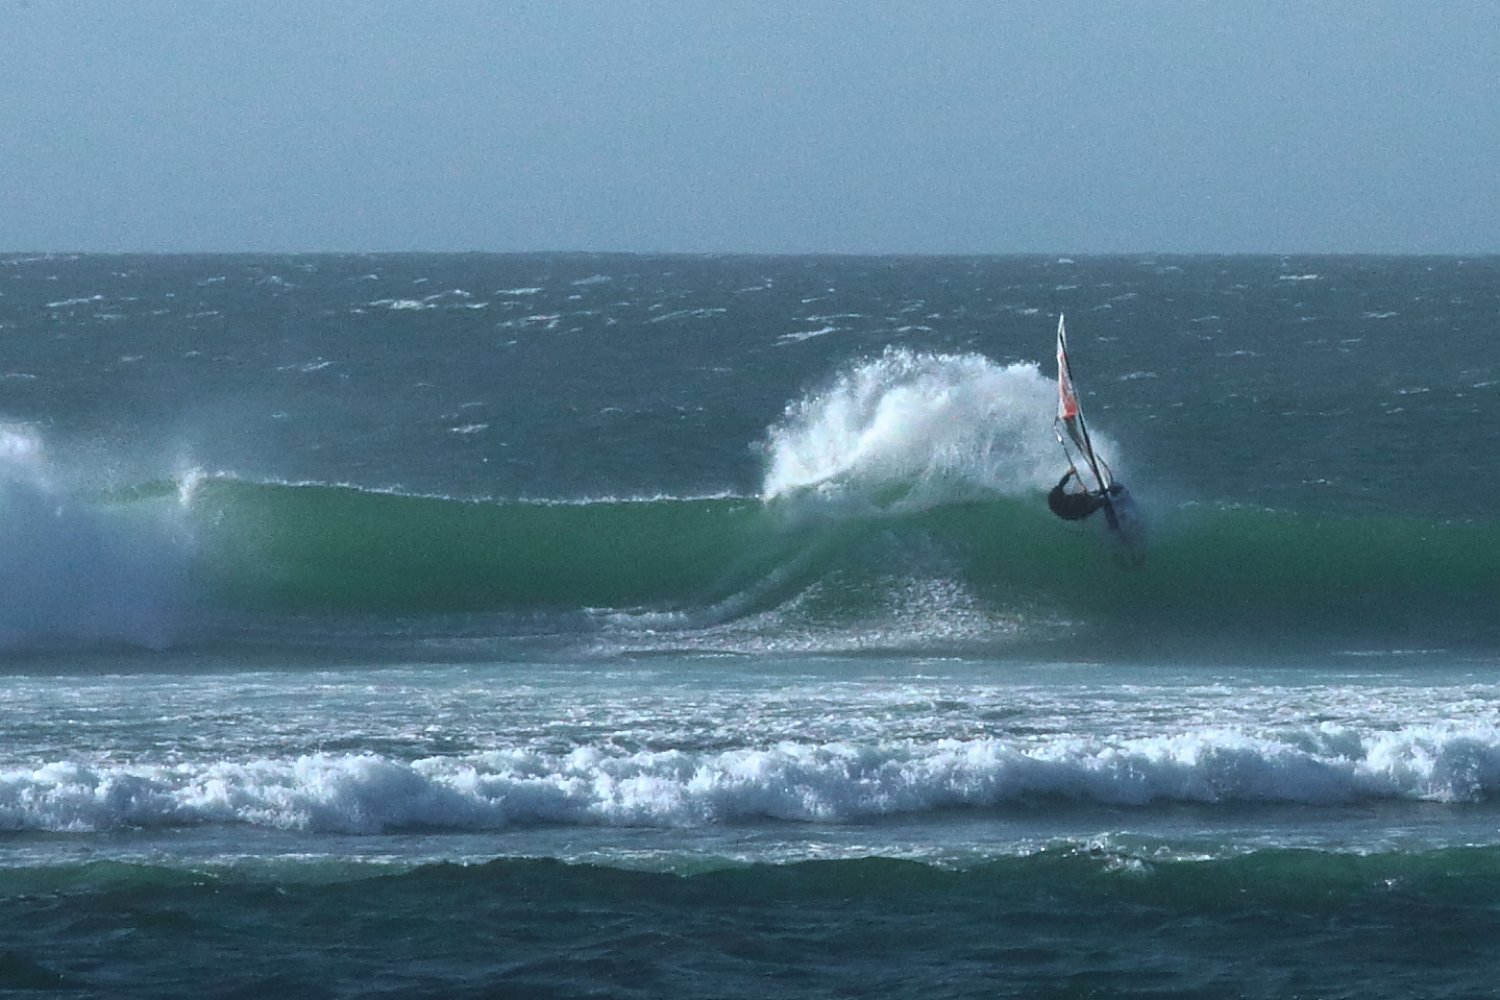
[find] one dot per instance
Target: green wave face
(1236, 569)
(320, 548)
(1200, 571)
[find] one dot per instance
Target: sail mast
(1070, 413)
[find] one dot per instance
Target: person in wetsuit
(1075, 505)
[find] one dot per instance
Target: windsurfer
(1079, 503)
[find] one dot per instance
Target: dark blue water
(573, 625)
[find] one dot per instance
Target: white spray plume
(910, 430)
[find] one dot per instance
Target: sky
(726, 126)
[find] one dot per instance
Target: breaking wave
(315, 549)
(76, 571)
(901, 508)
(813, 783)
(910, 429)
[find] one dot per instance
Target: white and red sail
(1070, 414)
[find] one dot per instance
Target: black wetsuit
(1076, 506)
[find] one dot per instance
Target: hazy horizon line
(11, 255)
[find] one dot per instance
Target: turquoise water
(626, 626)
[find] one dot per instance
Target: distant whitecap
(66, 303)
(792, 338)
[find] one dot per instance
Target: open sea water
(632, 626)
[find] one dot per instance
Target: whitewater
(678, 626)
(725, 748)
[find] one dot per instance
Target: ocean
(571, 625)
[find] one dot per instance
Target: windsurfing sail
(1070, 417)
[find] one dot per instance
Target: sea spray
(910, 430)
(77, 571)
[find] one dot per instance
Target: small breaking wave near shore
(809, 783)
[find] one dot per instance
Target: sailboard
(1125, 525)
(1070, 420)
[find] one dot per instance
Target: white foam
(705, 313)
(548, 321)
(67, 303)
(805, 782)
(939, 427)
(801, 335)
